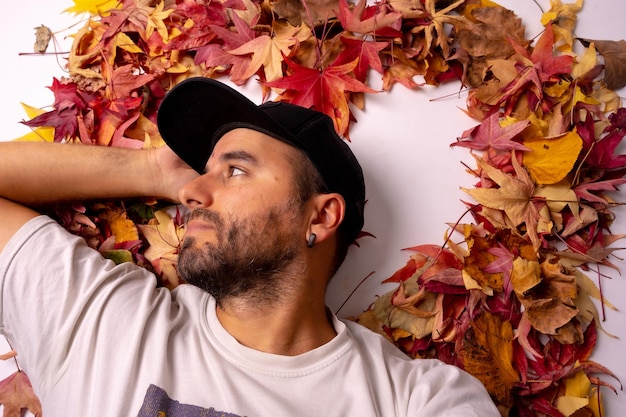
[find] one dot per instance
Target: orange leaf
(489, 355)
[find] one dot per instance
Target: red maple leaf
(600, 152)
(216, 54)
(69, 103)
(540, 66)
(584, 191)
(489, 134)
(367, 53)
(203, 15)
(124, 81)
(325, 90)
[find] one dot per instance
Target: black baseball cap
(197, 112)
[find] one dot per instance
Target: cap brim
(196, 113)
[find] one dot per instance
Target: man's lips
(195, 225)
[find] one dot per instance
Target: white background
(402, 140)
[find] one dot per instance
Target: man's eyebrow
(238, 156)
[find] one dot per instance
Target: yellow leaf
(155, 22)
(122, 228)
(525, 275)
(471, 284)
(563, 18)
(31, 111)
(580, 97)
(94, 7)
(123, 41)
(585, 62)
(557, 89)
(40, 134)
(552, 159)
(576, 395)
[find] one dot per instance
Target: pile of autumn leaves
(512, 303)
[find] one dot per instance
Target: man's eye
(234, 171)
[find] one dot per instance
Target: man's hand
(174, 173)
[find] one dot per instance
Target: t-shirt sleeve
(56, 293)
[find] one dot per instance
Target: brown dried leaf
(614, 54)
(489, 39)
(43, 34)
(488, 355)
(314, 13)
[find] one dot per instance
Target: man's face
(245, 230)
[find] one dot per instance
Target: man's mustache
(206, 215)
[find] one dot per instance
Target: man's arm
(40, 173)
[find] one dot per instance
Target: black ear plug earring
(311, 241)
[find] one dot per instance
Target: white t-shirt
(98, 339)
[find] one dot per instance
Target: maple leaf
(132, 17)
(63, 121)
(155, 21)
(323, 89)
(124, 81)
(513, 197)
(401, 72)
(490, 134)
(434, 29)
(600, 152)
(16, 394)
(351, 21)
(584, 190)
(40, 134)
(197, 18)
(536, 68)
(502, 264)
(542, 57)
(216, 56)
(164, 234)
(268, 51)
(367, 53)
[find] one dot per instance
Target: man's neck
(283, 330)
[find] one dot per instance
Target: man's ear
(327, 212)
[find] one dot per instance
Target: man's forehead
(250, 141)
(251, 146)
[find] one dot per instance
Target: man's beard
(252, 258)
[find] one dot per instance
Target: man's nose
(197, 193)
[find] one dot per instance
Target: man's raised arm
(39, 173)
